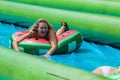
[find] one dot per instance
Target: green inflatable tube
(41, 46)
(98, 28)
(92, 6)
(21, 66)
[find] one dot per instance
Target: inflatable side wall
(21, 66)
(107, 7)
(98, 28)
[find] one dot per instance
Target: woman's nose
(43, 29)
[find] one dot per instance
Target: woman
(106, 70)
(42, 29)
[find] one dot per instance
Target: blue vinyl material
(89, 56)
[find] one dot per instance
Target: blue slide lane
(89, 56)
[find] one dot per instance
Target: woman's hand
(46, 55)
(15, 42)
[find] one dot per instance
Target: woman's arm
(53, 42)
(15, 42)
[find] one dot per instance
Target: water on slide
(89, 56)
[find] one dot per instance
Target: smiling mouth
(43, 32)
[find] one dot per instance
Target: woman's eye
(41, 28)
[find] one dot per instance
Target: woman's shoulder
(52, 30)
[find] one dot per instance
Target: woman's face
(42, 29)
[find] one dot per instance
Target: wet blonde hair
(35, 26)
